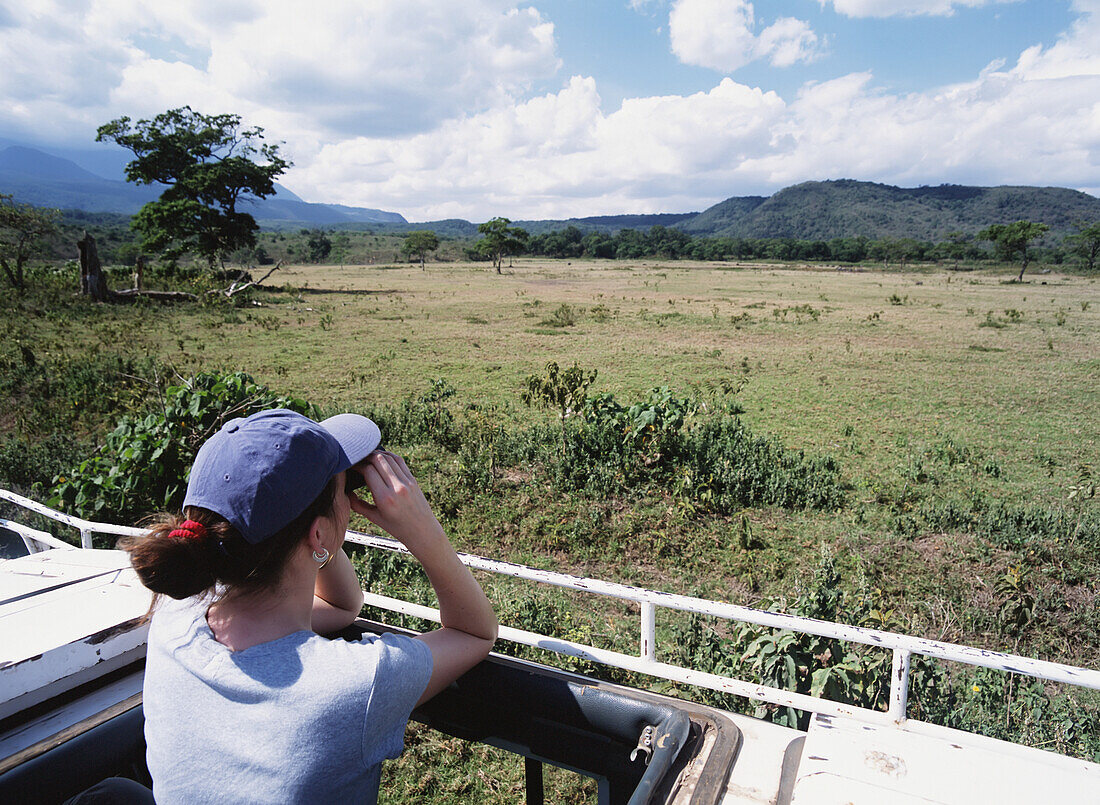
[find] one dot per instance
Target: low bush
(143, 464)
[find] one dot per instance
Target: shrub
(424, 419)
(143, 464)
(669, 442)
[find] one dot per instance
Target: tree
(22, 226)
(955, 246)
(209, 164)
(419, 243)
(1086, 243)
(499, 240)
(319, 246)
(565, 391)
(1013, 241)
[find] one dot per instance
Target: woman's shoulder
(176, 617)
(385, 651)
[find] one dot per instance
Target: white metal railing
(902, 646)
(646, 662)
(85, 527)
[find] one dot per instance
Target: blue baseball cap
(261, 472)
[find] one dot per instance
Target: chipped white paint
(93, 603)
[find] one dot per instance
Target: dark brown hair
(186, 566)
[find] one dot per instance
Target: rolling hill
(847, 208)
(810, 210)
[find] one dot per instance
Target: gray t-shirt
(298, 719)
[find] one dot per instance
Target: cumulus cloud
(719, 34)
(906, 8)
(1036, 121)
(424, 108)
(349, 66)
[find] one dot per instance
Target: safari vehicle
(72, 646)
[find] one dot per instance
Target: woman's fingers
(402, 465)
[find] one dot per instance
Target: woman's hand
(399, 507)
(469, 624)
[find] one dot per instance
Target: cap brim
(357, 435)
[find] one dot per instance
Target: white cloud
(906, 8)
(787, 41)
(337, 68)
(719, 34)
(558, 154)
(1034, 122)
(424, 107)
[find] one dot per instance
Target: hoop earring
(321, 557)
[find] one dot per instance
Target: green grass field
(927, 387)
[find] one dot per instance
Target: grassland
(927, 387)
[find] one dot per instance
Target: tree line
(1015, 242)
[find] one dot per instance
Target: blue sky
(474, 108)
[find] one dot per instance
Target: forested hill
(847, 208)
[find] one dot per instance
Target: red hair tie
(189, 529)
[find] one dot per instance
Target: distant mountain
(38, 178)
(607, 223)
(847, 208)
(811, 210)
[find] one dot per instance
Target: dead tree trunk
(92, 281)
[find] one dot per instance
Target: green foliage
(1022, 710)
(564, 391)
(423, 419)
(563, 316)
(1008, 526)
(209, 164)
(1017, 608)
(708, 459)
(419, 243)
(1086, 243)
(22, 228)
(25, 462)
(58, 393)
(142, 465)
(319, 246)
(1014, 240)
(498, 240)
(850, 673)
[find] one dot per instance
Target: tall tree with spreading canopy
(1086, 243)
(1013, 241)
(21, 228)
(498, 240)
(419, 243)
(210, 164)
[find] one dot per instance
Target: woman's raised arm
(469, 623)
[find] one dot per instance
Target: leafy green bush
(670, 442)
(142, 466)
(850, 673)
(25, 462)
(66, 393)
(420, 420)
(1006, 525)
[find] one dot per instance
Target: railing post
(85, 538)
(532, 772)
(899, 686)
(649, 631)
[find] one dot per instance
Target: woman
(244, 701)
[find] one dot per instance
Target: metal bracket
(645, 744)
